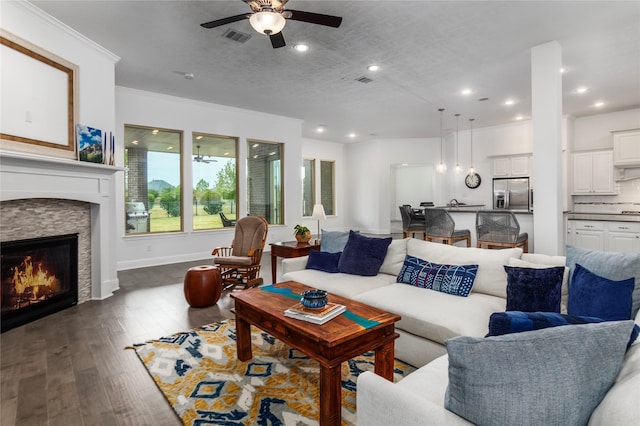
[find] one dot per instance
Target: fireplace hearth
(39, 276)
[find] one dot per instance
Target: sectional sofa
(434, 323)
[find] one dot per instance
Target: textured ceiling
(428, 51)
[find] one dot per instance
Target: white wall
(155, 110)
(594, 132)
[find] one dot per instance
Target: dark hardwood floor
(72, 368)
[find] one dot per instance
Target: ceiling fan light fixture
(268, 23)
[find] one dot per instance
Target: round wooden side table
(202, 286)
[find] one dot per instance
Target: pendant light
(442, 167)
(457, 164)
(471, 169)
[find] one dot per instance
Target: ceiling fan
(200, 159)
(269, 17)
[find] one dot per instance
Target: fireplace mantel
(25, 176)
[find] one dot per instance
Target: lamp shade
(318, 212)
(268, 23)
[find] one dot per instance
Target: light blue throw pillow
(554, 376)
(334, 241)
(610, 265)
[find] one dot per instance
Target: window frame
(312, 185)
(269, 208)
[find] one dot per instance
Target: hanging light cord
(441, 143)
(471, 169)
(457, 163)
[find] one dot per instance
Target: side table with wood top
(288, 249)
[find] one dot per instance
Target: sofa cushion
(596, 296)
(323, 261)
(344, 285)
(451, 279)
(517, 322)
(614, 266)
(363, 255)
(433, 315)
(393, 261)
(334, 241)
(552, 376)
(534, 289)
(532, 260)
(491, 278)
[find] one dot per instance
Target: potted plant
(302, 233)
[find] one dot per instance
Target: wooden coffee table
(331, 343)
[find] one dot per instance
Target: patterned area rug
(199, 374)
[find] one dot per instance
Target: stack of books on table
(316, 316)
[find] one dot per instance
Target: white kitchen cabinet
(624, 237)
(621, 237)
(626, 148)
(517, 165)
(587, 234)
(593, 173)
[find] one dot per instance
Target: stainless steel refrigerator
(511, 194)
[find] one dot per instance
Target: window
(214, 180)
(265, 186)
(153, 178)
(308, 186)
(327, 183)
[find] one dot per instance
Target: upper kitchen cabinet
(593, 173)
(508, 166)
(626, 148)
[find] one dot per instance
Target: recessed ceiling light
(189, 76)
(598, 104)
(466, 91)
(563, 70)
(320, 129)
(509, 102)
(582, 89)
(519, 117)
(352, 135)
(373, 67)
(301, 47)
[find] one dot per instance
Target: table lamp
(318, 214)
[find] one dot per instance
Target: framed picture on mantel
(37, 101)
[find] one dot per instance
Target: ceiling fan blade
(315, 18)
(277, 40)
(224, 21)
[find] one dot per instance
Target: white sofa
(428, 317)
(418, 399)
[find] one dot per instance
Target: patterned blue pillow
(451, 279)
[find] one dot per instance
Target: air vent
(364, 79)
(236, 36)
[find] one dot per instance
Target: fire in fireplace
(38, 277)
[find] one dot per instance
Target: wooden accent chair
(240, 263)
(411, 223)
(496, 229)
(441, 226)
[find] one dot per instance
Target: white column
(546, 128)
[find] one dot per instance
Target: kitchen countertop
(609, 217)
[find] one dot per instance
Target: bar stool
(441, 226)
(496, 229)
(411, 223)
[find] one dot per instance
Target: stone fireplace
(47, 196)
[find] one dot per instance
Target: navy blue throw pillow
(363, 255)
(596, 296)
(323, 261)
(517, 322)
(533, 289)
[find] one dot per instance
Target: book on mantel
(316, 316)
